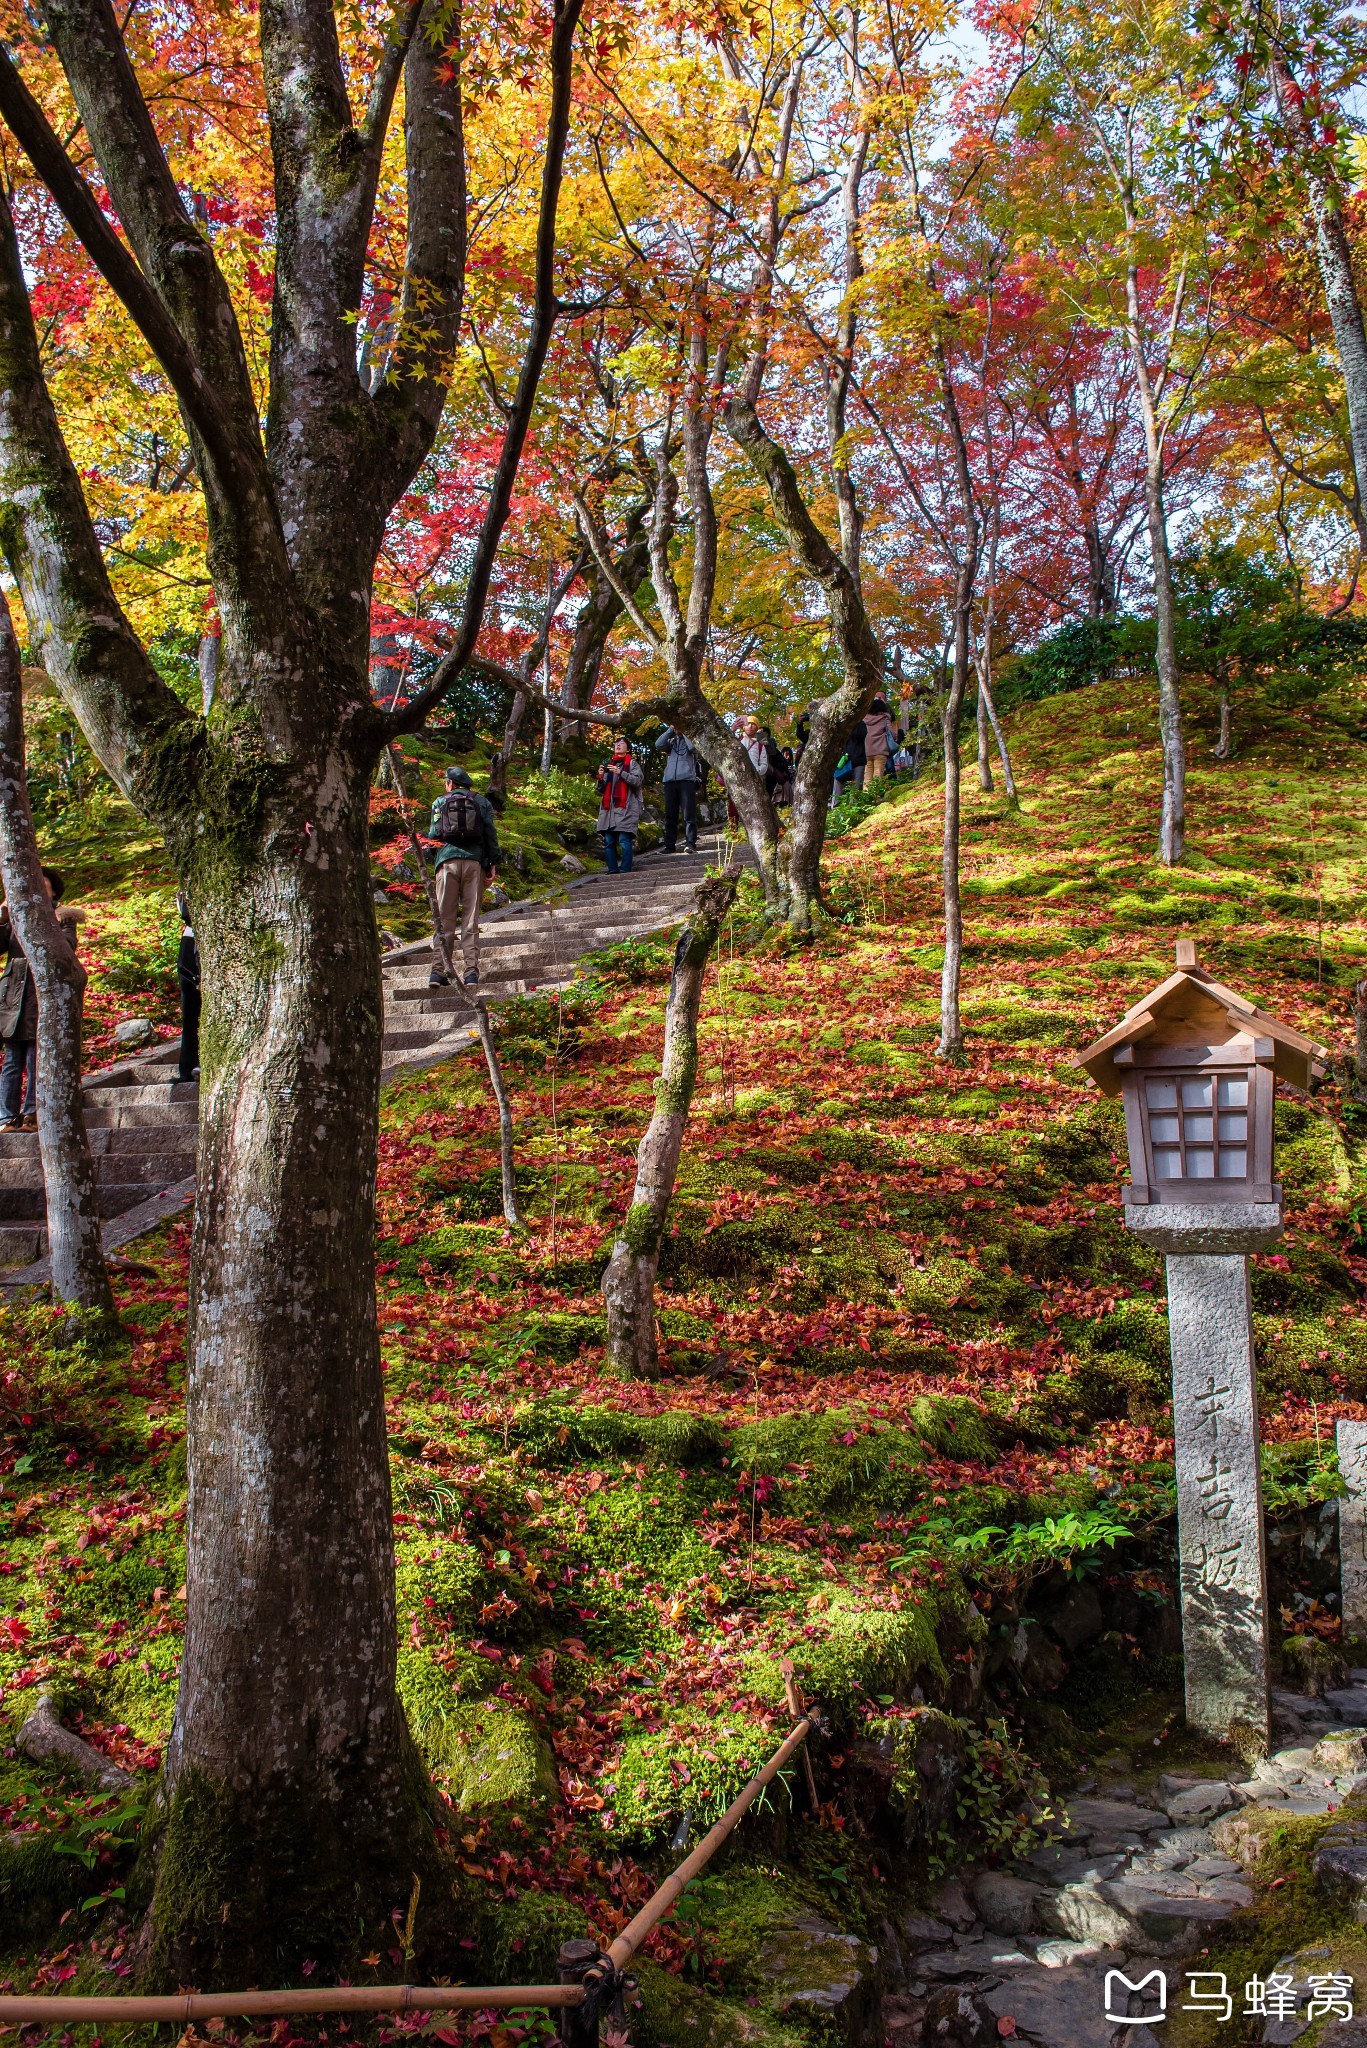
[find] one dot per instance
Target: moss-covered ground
(898, 1311)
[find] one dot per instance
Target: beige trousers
(876, 767)
(460, 886)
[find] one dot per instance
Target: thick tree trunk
(79, 1275)
(1360, 1040)
(293, 1808)
(629, 1278)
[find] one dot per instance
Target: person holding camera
(620, 782)
(467, 857)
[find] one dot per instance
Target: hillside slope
(898, 1309)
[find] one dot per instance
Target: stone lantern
(1194, 1064)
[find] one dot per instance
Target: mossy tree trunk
(629, 1279)
(76, 1258)
(292, 1815)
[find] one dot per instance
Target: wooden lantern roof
(1191, 1008)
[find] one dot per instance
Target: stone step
(21, 1243)
(111, 1169)
(135, 1116)
(163, 1139)
(28, 1205)
(129, 1096)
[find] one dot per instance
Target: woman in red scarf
(620, 782)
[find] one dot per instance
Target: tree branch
(128, 714)
(544, 309)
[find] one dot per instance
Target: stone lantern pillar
(1195, 1064)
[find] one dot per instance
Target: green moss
(673, 2013)
(693, 1765)
(867, 1651)
(37, 1885)
(522, 1937)
(491, 1758)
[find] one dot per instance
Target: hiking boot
(30, 1122)
(472, 977)
(12, 1123)
(438, 981)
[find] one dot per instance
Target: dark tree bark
(629, 1279)
(79, 1275)
(1360, 1040)
(599, 613)
(292, 1813)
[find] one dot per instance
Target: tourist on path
(880, 739)
(467, 857)
(19, 1019)
(858, 757)
(620, 782)
(681, 781)
(191, 999)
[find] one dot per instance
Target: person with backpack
(681, 780)
(467, 857)
(620, 782)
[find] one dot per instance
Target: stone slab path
(1125, 1882)
(142, 1120)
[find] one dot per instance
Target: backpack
(456, 820)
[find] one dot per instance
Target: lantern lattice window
(1198, 1125)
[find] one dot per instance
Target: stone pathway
(1122, 1882)
(142, 1120)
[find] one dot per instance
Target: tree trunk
(1224, 746)
(984, 730)
(507, 1168)
(497, 789)
(1335, 257)
(79, 1275)
(1173, 830)
(290, 1620)
(208, 670)
(951, 1045)
(629, 1279)
(1360, 1040)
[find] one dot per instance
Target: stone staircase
(142, 1120)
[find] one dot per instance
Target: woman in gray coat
(620, 782)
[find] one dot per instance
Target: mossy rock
(871, 1652)
(491, 1758)
(692, 1765)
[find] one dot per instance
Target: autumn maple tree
(305, 420)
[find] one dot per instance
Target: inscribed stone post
(1219, 1495)
(1352, 1450)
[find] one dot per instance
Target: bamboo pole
(654, 1910)
(228, 2005)
(210, 2005)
